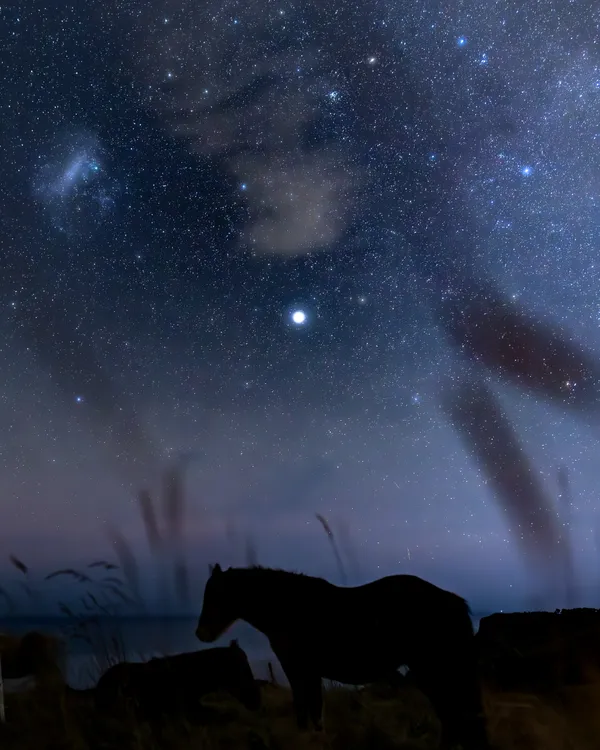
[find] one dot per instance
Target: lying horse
(356, 636)
(173, 685)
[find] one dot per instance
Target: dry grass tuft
(150, 521)
(127, 561)
(336, 553)
(19, 565)
(373, 719)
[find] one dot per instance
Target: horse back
(388, 611)
(403, 596)
(206, 669)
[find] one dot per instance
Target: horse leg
(308, 700)
(457, 704)
(314, 687)
(300, 685)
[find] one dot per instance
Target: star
(461, 41)
(298, 317)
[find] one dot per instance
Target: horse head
(219, 607)
(242, 684)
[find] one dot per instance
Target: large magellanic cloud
(73, 184)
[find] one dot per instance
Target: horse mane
(279, 576)
(281, 572)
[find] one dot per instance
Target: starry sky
(227, 231)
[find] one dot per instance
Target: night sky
(226, 230)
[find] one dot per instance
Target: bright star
(299, 317)
(461, 41)
(526, 171)
(79, 399)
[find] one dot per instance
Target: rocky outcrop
(33, 655)
(540, 651)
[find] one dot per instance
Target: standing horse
(356, 636)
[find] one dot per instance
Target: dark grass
(56, 717)
(378, 718)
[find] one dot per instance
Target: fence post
(2, 710)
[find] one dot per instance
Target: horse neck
(268, 604)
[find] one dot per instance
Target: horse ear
(210, 569)
(216, 569)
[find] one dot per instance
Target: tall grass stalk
(2, 706)
(332, 541)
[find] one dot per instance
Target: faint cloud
(298, 204)
(230, 96)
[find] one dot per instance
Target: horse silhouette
(356, 635)
(173, 685)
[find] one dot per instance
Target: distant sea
(145, 637)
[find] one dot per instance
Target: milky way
(183, 177)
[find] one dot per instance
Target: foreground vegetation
(53, 717)
(378, 718)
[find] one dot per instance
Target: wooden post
(2, 709)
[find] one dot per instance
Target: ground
(378, 719)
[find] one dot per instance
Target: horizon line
(147, 616)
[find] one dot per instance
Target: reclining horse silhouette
(173, 685)
(356, 635)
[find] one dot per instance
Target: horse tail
(459, 610)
